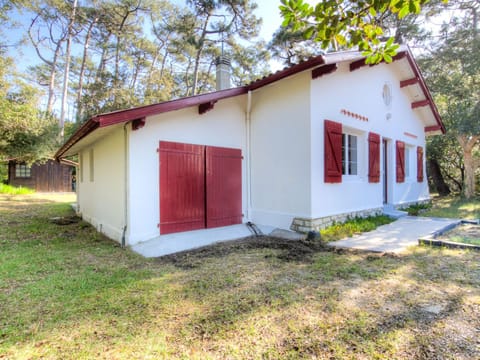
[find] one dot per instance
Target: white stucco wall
(280, 148)
(101, 199)
(360, 92)
(287, 152)
(222, 126)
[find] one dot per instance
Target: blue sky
(25, 55)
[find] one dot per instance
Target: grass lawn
(454, 207)
(465, 240)
(67, 292)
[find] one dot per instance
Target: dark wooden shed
(50, 176)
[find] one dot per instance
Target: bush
(354, 226)
(416, 209)
(12, 190)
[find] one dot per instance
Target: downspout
(248, 153)
(125, 195)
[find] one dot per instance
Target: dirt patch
(291, 250)
(65, 220)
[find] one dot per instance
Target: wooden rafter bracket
(323, 70)
(204, 107)
(138, 124)
(420, 103)
(409, 82)
(433, 128)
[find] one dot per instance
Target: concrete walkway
(396, 236)
(172, 243)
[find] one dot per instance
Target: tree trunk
(469, 174)
(51, 82)
(437, 178)
(468, 143)
(66, 74)
(82, 69)
(201, 43)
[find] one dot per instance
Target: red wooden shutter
(224, 186)
(373, 158)
(333, 152)
(419, 164)
(400, 145)
(182, 187)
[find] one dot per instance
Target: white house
(328, 138)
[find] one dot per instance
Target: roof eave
(281, 74)
(122, 116)
(413, 64)
(167, 106)
(87, 128)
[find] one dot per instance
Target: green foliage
(417, 209)
(354, 226)
(452, 71)
(3, 172)
(349, 23)
(26, 134)
(290, 46)
(12, 190)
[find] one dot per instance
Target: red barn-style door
(224, 186)
(182, 187)
(200, 187)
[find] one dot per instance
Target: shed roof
(324, 63)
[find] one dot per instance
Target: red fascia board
(149, 110)
(426, 92)
(306, 65)
(83, 131)
(361, 63)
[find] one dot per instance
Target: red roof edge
(83, 131)
(121, 116)
(167, 106)
(308, 64)
(426, 92)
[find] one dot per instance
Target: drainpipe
(125, 195)
(248, 153)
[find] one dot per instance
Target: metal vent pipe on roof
(223, 65)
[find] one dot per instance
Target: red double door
(200, 187)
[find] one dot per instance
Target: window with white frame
(349, 154)
(23, 171)
(81, 166)
(409, 161)
(92, 166)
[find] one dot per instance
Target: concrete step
(390, 210)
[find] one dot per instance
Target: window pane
(22, 171)
(352, 155)
(344, 139)
(92, 166)
(407, 162)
